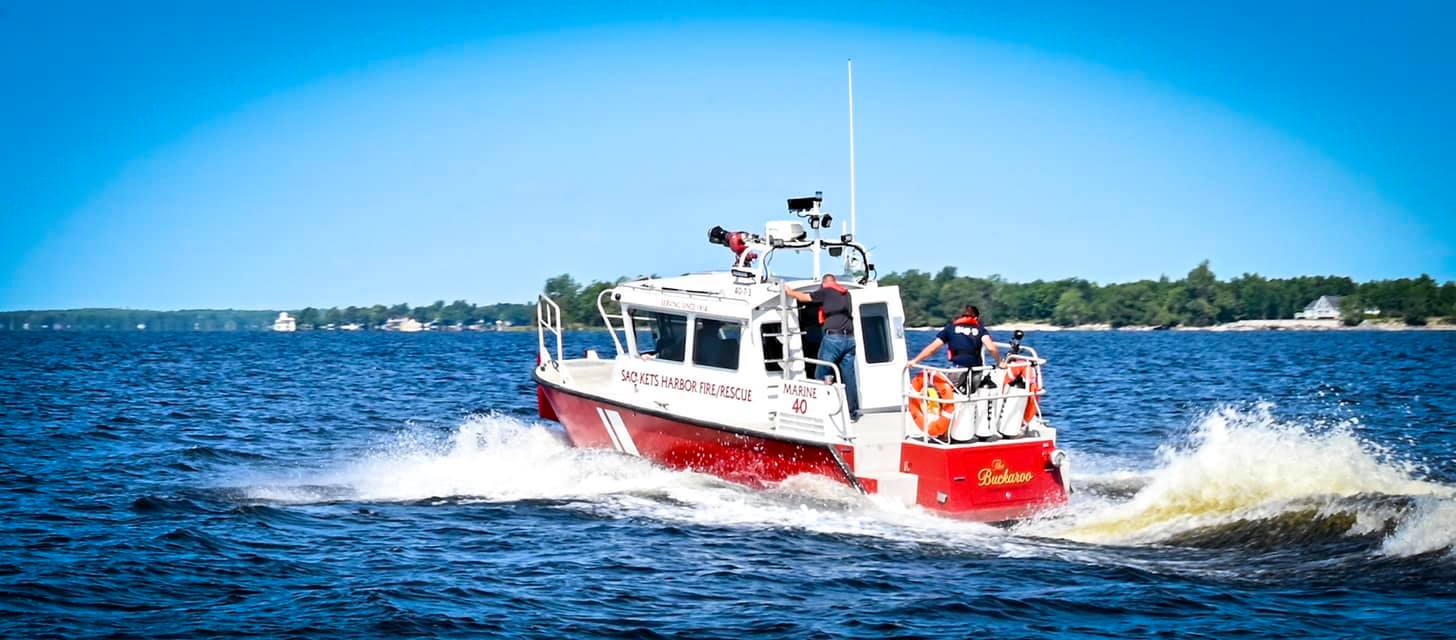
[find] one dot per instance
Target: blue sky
(278, 155)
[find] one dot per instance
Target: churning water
(385, 484)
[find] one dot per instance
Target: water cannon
(718, 235)
(737, 242)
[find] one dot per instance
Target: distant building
(1323, 308)
(285, 322)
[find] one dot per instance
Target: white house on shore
(1324, 308)
(285, 322)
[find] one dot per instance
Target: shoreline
(1238, 326)
(1241, 326)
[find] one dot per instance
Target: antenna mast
(852, 212)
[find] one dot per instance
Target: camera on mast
(809, 208)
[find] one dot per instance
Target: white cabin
(732, 346)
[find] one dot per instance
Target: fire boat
(714, 372)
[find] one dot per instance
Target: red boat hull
(986, 483)
(741, 457)
(997, 482)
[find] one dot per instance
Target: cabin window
(715, 343)
(773, 346)
(874, 327)
(661, 335)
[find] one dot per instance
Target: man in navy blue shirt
(965, 336)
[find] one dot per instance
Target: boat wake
(489, 458)
(497, 458)
(1243, 479)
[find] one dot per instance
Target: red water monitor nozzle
(737, 242)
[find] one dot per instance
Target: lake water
(334, 484)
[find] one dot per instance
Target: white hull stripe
(611, 433)
(617, 430)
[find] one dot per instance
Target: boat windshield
(661, 334)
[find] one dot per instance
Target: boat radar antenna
(852, 212)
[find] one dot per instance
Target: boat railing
(647, 285)
(836, 417)
(1023, 352)
(973, 374)
(816, 247)
(833, 368)
(548, 320)
(615, 322)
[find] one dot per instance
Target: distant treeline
(1199, 299)
(137, 319)
(459, 312)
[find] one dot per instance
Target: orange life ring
(931, 416)
(1024, 370)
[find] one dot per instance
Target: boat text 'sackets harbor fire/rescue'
(714, 372)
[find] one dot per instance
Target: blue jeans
(839, 349)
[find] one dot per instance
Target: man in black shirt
(838, 345)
